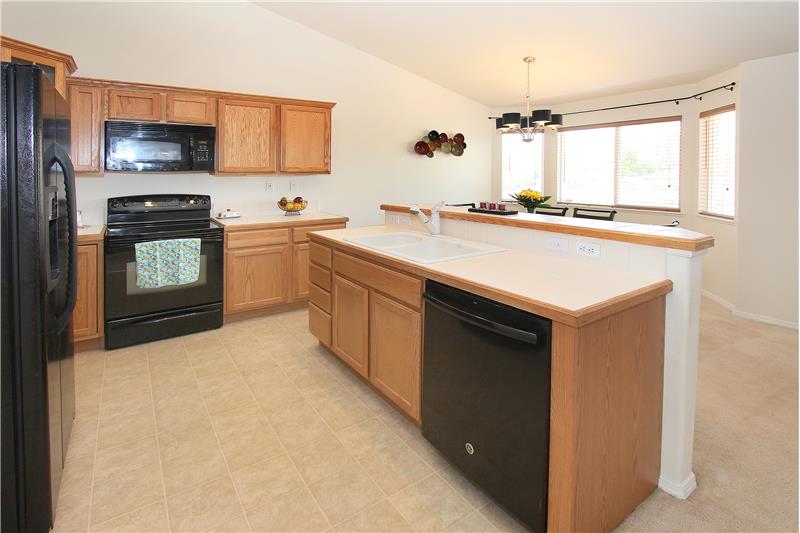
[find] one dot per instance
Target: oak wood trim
(674, 118)
(662, 241)
(219, 94)
(557, 314)
(717, 110)
(54, 55)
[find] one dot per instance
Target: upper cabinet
(56, 65)
(86, 128)
(305, 139)
(246, 136)
(134, 105)
(189, 108)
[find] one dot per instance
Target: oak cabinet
(350, 314)
(87, 315)
(319, 323)
(305, 139)
(86, 128)
(189, 108)
(394, 354)
(56, 65)
(134, 105)
(246, 136)
(256, 277)
(300, 271)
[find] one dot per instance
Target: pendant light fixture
(534, 121)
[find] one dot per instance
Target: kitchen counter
(91, 234)
(648, 234)
(564, 291)
(277, 221)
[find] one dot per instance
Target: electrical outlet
(293, 187)
(589, 249)
(558, 245)
(269, 187)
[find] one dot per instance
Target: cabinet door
(134, 105)
(191, 108)
(394, 355)
(84, 317)
(305, 139)
(246, 134)
(86, 128)
(300, 271)
(351, 324)
(256, 277)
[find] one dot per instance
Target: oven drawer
(256, 237)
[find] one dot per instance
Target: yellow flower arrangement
(530, 199)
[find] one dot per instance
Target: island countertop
(647, 234)
(564, 291)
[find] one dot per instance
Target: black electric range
(134, 314)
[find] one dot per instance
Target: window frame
(617, 124)
(701, 159)
(502, 164)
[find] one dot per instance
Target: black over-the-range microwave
(143, 146)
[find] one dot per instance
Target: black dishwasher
(486, 396)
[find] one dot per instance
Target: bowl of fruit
(292, 207)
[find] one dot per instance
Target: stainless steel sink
(422, 248)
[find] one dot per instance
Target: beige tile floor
(254, 427)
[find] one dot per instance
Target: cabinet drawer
(256, 237)
(319, 323)
(320, 298)
(134, 105)
(399, 286)
(301, 234)
(321, 255)
(319, 277)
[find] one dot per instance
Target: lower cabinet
(394, 352)
(374, 320)
(256, 277)
(300, 271)
(350, 312)
(87, 316)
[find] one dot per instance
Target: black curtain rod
(698, 96)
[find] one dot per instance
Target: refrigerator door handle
(62, 158)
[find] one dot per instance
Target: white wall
(381, 109)
(731, 263)
(767, 195)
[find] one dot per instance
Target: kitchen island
(607, 355)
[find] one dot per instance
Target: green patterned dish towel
(163, 263)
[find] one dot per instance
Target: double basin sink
(422, 248)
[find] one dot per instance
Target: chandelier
(532, 122)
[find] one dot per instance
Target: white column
(681, 339)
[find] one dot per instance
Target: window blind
(624, 164)
(522, 165)
(718, 162)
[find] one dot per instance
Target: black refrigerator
(38, 246)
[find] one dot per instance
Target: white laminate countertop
(570, 287)
(279, 220)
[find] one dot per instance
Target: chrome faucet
(433, 222)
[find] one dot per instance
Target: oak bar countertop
(572, 293)
(278, 221)
(647, 234)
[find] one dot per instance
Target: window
(624, 164)
(522, 164)
(718, 162)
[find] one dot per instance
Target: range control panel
(159, 202)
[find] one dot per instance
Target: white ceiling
(583, 49)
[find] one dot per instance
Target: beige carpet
(745, 452)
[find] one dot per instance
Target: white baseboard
(765, 319)
(716, 299)
(680, 490)
(744, 314)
